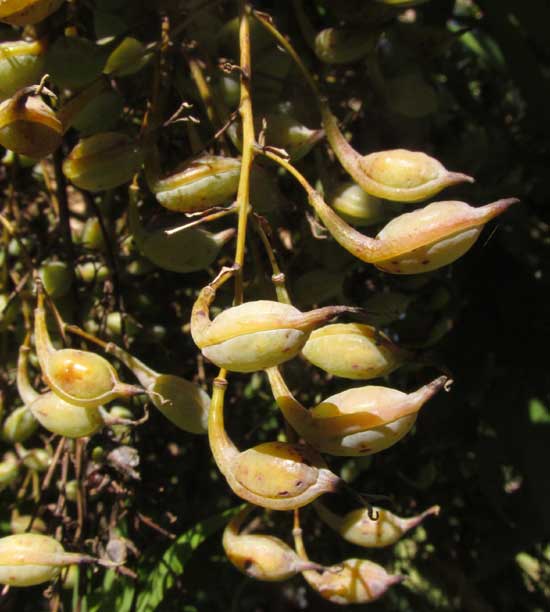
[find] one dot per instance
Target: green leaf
(117, 594)
(173, 562)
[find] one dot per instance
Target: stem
(247, 117)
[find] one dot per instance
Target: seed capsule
(78, 377)
(182, 402)
(27, 559)
(274, 475)
(56, 277)
(255, 335)
(354, 581)
(19, 426)
(360, 421)
(19, 523)
(103, 161)
(352, 350)
(209, 180)
(60, 417)
(129, 57)
(342, 45)
(28, 126)
(21, 65)
(9, 470)
(356, 206)
(358, 528)
(261, 557)
(399, 174)
(27, 12)
(420, 241)
(185, 251)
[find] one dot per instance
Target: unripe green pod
(359, 528)
(79, 377)
(103, 161)
(8, 311)
(387, 307)
(28, 126)
(356, 422)
(228, 39)
(122, 432)
(19, 426)
(255, 335)
(71, 490)
(182, 402)
(27, 559)
(206, 181)
(60, 417)
(36, 459)
(21, 65)
(57, 278)
(73, 62)
(184, 251)
(9, 470)
(343, 45)
(27, 12)
(318, 286)
(129, 57)
(92, 236)
(261, 557)
(91, 272)
(19, 523)
(357, 206)
(352, 350)
(100, 114)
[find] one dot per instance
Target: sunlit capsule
(60, 417)
(20, 523)
(358, 421)
(352, 350)
(27, 12)
(262, 557)
(27, 559)
(206, 181)
(254, 335)
(359, 528)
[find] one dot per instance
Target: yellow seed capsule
(78, 377)
(261, 557)
(19, 523)
(28, 126)
(185, 251)
(343, 45)
(399, 175)
(255, 335)
(209, 180)
(360, 421)
(27, 12)
(27, 559)
(103, 161)
(359, 528)
(21, 65)
(352, 350)
(354, 581)
(420, 241)
(274, 475)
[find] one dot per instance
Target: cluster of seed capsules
(250, 337)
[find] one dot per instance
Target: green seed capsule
(21, 65)
(343, 45)
(9, 470)
(27, 12)
(206, 181)
(60, 417)
(8, 311)
(36, 459)
(358, 207)
(100, 114)
(103, 161)
(73, 62)
(27, 559)
(29, 127)
(57, 278)
(129, 57)
(19, 426)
